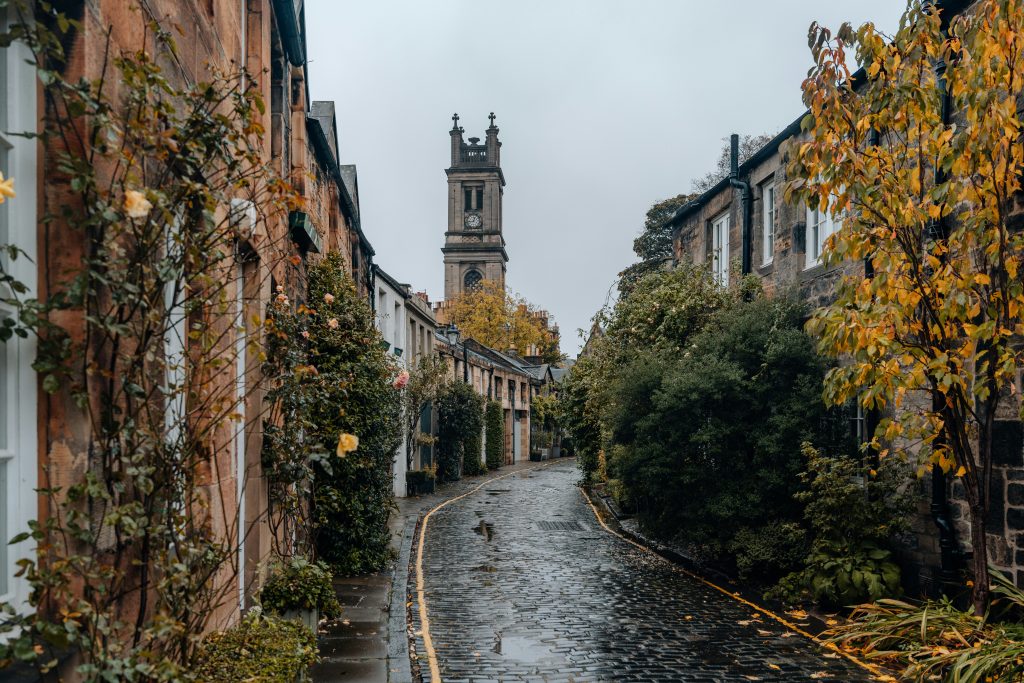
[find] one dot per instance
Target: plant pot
(310, 618)
(545, 453)
(535, 457)
(417, 484)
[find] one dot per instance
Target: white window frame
(767, 223)
(720, 249)
(19, 498)
(819, 227)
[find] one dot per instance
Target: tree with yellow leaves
(922, 157)
(501, 320)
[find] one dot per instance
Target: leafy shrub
(936, 641)
(352, 494)
(769, 550)
(706, 442)
(852, 511)
(494, 427)
(460, 421)
(420, 481)
(260, 648)
(297, 584)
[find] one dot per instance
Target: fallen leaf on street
(787, 634)
(819, 674)
(774, 666)
(762, 632)
(797, 614)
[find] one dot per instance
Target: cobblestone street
(522, 584)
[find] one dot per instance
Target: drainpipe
(744, 188)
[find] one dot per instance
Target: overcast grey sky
(604, 108)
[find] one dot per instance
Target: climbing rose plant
(134, 344)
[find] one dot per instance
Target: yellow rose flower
(136, 205)
(346, 444)
(6, 188)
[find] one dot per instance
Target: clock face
(473, 221)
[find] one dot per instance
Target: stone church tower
(474, 248)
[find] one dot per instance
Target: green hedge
(494, 426)
(353, 493)
(259, 648)
(460, 421)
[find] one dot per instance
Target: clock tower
(474, 248)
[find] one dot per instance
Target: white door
(19, 502)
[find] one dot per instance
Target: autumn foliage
(501, 320)
(923, 156)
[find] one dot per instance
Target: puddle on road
(521, 649)
(485, 529)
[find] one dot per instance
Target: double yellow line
(757, 608)
(428, 643)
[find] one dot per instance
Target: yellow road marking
(768, 613)
(428, 643)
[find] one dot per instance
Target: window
(18, 462)
(720, 249)
(469, 194)
(497, 387)
(820, 225)
(472, 279)
(768, 223)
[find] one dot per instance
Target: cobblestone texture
(522, 584)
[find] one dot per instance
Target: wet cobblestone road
(522, 584)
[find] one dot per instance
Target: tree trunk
(979, 544)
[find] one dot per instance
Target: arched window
(472, 279)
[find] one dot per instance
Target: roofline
(395, 284)
(756, 158)
(951, 8)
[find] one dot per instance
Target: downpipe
(744, 187)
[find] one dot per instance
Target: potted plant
(420, 482)
(300, 589)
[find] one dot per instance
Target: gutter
(291, 36)
(322, 146)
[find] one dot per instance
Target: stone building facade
(782, 247)
(299, 140)
(494, 376)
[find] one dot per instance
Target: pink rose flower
(401, 380)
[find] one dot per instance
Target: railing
(474, 155)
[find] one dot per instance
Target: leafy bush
(460, 421)
(936, 641)
(706, 442)
(420, 481)
(494, 427)
(260, 648)
(353, 493)
(769, 550)
(297, 584)
(853, 511)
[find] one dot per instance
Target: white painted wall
(393, 325)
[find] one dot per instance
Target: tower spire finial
(492, 117)
(455, 119)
